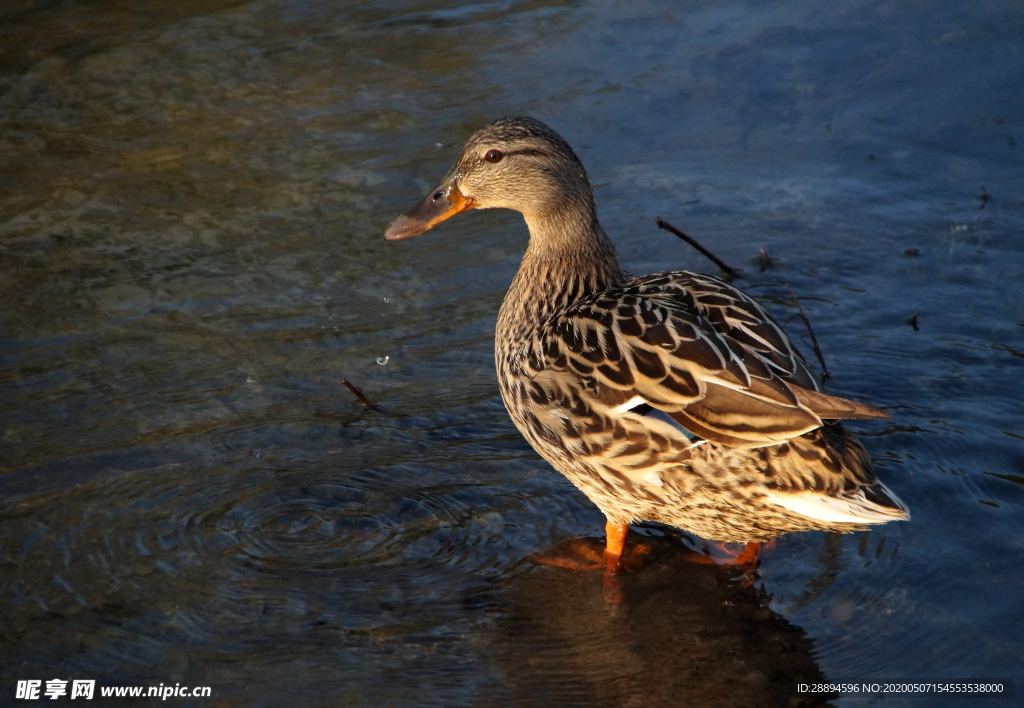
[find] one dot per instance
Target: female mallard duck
(672, 397)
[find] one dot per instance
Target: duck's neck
(569, 259)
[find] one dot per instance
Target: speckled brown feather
(635, 340)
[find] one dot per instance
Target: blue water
(192, 203)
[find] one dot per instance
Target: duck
(672, 398)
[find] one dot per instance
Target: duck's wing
(827, 476)
(695, 348)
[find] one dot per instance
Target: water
(192, 199)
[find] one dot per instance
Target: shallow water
(192, 198)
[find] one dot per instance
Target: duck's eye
(493, 156)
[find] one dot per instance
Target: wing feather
(699, 349)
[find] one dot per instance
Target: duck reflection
(680, 633)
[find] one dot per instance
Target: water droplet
(382, 360)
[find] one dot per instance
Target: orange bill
(443, 202)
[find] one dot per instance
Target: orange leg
(614, 560)
(616, 541)
(749, 555)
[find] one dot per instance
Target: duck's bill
(442, 203)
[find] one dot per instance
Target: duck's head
(511, 163)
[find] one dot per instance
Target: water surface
(192, 199)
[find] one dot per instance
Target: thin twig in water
(765, 261)
(814, 341)
(913, 321)
(985, 196)
(359, 394)
(732, 272)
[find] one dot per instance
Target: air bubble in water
(382, 360)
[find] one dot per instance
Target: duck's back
(676, 397)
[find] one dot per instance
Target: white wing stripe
(854, 509)
(628, 405)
